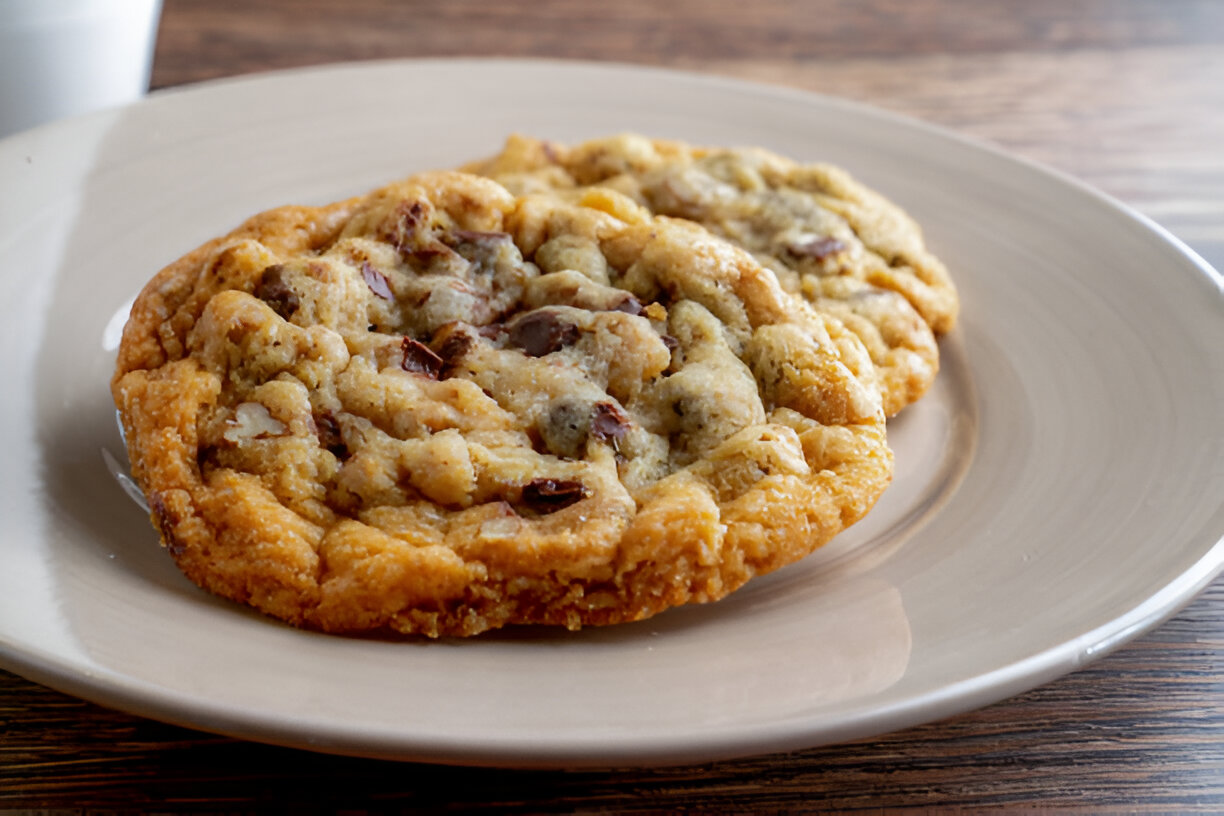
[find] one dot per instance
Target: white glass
(63, 57)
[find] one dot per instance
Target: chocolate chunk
(164, 521)
(818, 248)
(542, 332)
(412, 236)
(377, 281)
(428, 251)
(420, 359)
(608, 423)
(273, 290)
(206, 457)
(538, 443)
(160, 513)
(455, 346)
(629, 305)
(480, 249)
(330, 436)
(550, 495)
(410, 220)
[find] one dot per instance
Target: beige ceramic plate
(1057, 493)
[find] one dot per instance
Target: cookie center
(416, 359)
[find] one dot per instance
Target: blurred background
(1126, 94)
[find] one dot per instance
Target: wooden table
(1125, 94)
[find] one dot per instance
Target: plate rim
(134, 696)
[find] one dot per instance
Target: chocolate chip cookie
(440, 409)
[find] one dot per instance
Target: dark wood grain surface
(1127, 95)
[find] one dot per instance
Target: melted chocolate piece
(480, 249)
(453, 349)
(429, 251)
(550, 495)
(206, 457)
(542, 332)
(420, 359)
(409, 221)
(330, 437)
(377, 281)
(630, 305)
(164, 520)
(273, 290)
(455, 346)
(608, 423)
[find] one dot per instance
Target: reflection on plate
(1056, 493)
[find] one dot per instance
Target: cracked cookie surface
(441, 409)
(843, 247)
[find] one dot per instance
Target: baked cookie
(439, 409)
(843, 247)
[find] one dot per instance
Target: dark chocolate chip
(330, 436)
(453, 349)
(818, 248)
(275, 291)
(455, 346)
(629, 305)
(608, 423)
(164, 521)
(550, 495)
(542, 332)
(159, 512)
(538, 443)
(206, 456)
(480, 249)
(377, 281)
(420, 359)
(409, 218)
(429, 251)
